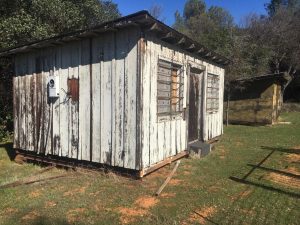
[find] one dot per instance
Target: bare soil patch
(140, 208)
(146, 202)
(200, 216)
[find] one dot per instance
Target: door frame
(202, 68)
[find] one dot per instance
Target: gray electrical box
(53, 86)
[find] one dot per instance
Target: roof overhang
(281, 77)
(141, 19)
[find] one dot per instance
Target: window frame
(212, 98)
(169, 97)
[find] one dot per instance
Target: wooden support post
(168, 179)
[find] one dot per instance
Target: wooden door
(195, 105)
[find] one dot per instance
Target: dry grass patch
(74, 215)
(9, 211)
(31, 216)
(50, 204)
(242, 195)
(34, 194)
(200, 216)
(129, 215)
(75, 191)
(167, 195)
(175, 182)
(284, 180)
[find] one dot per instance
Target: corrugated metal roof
(142, 19)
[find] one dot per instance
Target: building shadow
(284, 150)
(11, 152)
(259, 166)
(266, 187)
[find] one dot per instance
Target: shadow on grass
(244, 180)
(43, 220)
(275, 171)
(285, 150)
(266, 187)
(11, 152)
(47, 221)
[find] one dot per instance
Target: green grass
(211, 190)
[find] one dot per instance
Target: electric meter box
(53, 86)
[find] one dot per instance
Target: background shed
(255, 100)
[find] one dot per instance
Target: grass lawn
(251, 177)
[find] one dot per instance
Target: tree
(157, 11)
(193, 8)
(275, 5)
(211, 27)
(23, 21)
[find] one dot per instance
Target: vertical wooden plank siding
(31, 100)
(99, 127)
(162, 139)
(102, 125)
(47, 117)
(64, 101)
(106, 56)
(118, 98)
(84, 102)
(56, 138)
(145, 124)
(97, 52)
(130, 102)
(73, 103)
(22, 86)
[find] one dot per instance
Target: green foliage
(210, 27)
(265, 44)
(6, 117)
(23, 21)
(194, 8)
(275, 5)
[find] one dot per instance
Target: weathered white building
(130, 93)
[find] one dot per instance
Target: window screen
(169, 88)
(212, 95)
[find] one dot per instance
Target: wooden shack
(130, 93)
(255, 100)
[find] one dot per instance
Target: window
(212, 95)
(169, 88)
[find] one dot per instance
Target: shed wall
(261, 108)
(102, 125)
(162, 139)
